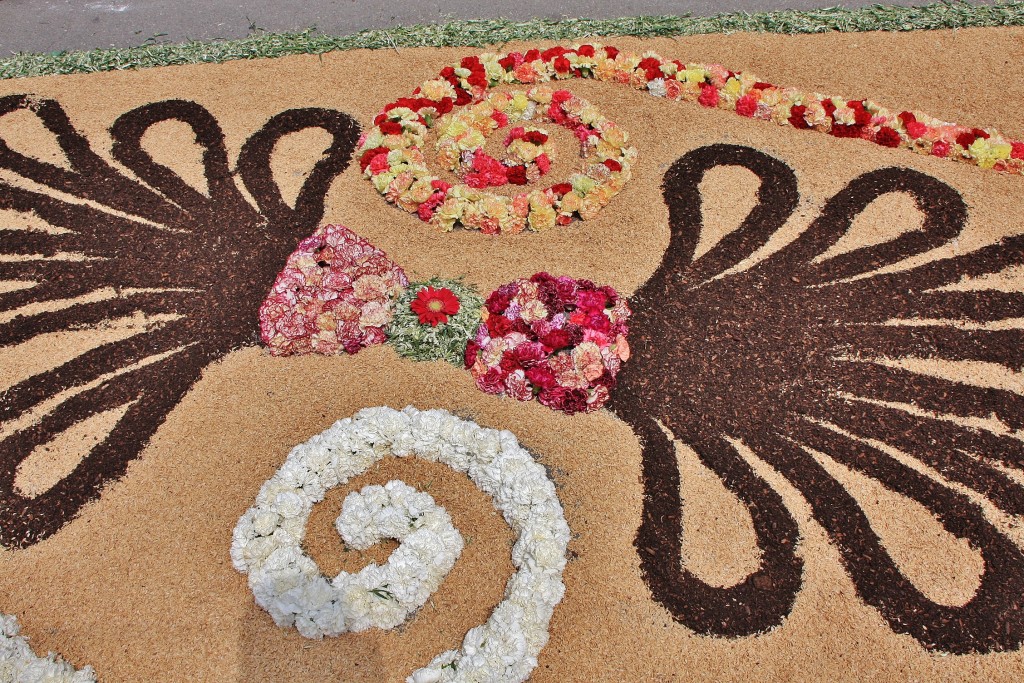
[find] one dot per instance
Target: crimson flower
(433, 306)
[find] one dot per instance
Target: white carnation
(19, 664)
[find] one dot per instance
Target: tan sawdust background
(141, 584)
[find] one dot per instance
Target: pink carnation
(379, 164)
(940, 148)
(334, 294)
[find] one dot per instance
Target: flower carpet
(598, 360)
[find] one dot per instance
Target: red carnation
(1018, 150)
(907, 117)
(509, 363)
(569, 401)
(862, 116)
(708, 95)
(966, 139)
(499, 299)
(746, 105)
(560, 96)
(535, 137)
(472, 348)
(507, 63)
(517, 175)
(556, 113)
(649, 63)
(562, 65)
(541, 377)
(591, 300)
(887, 137)
(541, 277)
(612, 165)
(561, 189)
(916, 129)
(612, 52)
(368, 156)
(530, 354)
(796, 117)
(585, 50)
(391, 128)
(556, 339)
(498, 325)
(841, 131)
(478, 79)
(940, 148)
(433, 306)
(552, 53)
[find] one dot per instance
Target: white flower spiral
(287, 583)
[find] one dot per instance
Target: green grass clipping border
(943, 15)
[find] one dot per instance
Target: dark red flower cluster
(556, 339)
(967, 139)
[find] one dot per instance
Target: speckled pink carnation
(334, 295)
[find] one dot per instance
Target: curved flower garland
(412, 338)
(19, 664)
(391, 156)
(399, 129)
(267, 539)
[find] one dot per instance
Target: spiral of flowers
(390, 152)
(19, 663)
(391, 156)
(267, 539)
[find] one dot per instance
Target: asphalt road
(52, 25)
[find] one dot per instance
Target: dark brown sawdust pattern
(761, 355)
(217, 297)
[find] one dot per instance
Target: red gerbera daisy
(433, 306)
